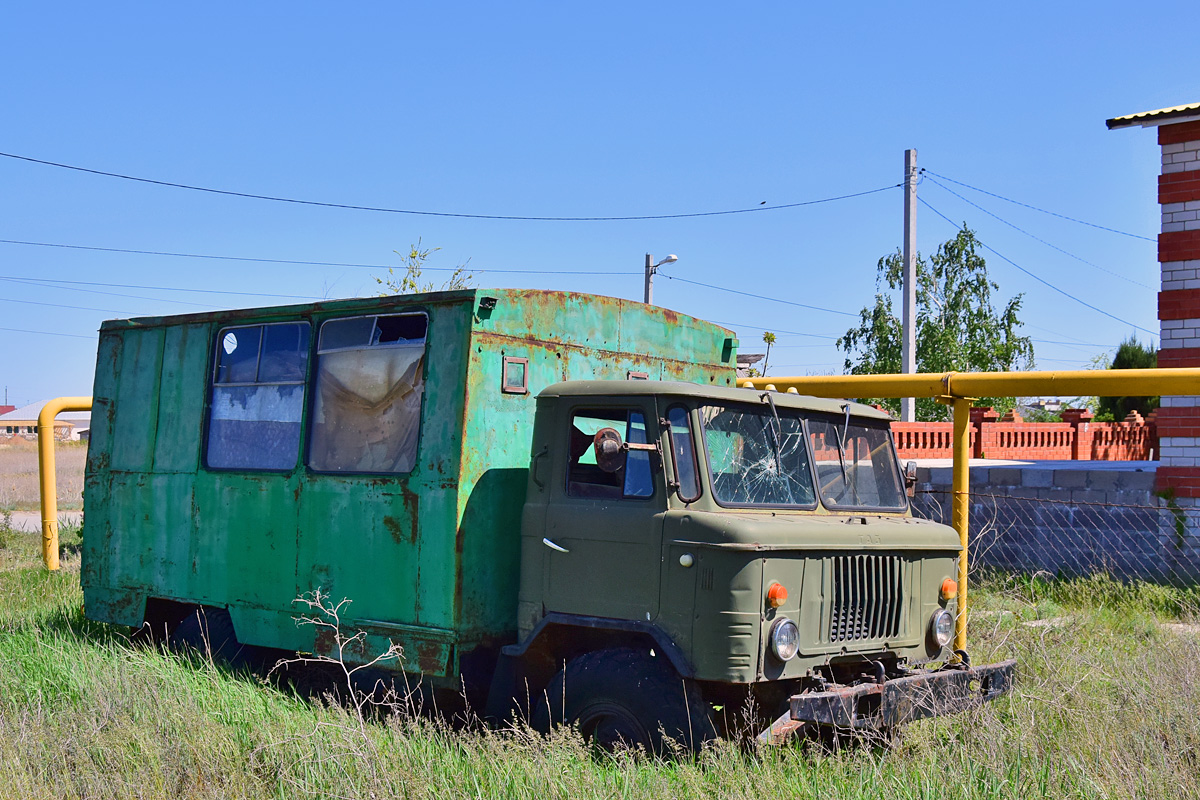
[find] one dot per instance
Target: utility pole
(908, 347)
(652, 268)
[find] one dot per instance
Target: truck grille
(867, 592)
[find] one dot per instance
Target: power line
(55, 281)
(1075, 339)
(773, 330)
(1042, 210)
(34, 282)
(757, 296)
(1039, 239)
(1038, 278)
(48, 333)
(60, 305)
(320, 263)
(305, 263)
(1073, 344)
(510, 217)
(71, 285)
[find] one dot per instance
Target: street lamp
(652, 268)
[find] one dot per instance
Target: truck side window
(683, 451)
(366, 414)
(586, 479)
(257, 397)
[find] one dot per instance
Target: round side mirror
(610, 456)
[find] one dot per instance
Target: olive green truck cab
(556, 505)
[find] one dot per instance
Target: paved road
(31, 521)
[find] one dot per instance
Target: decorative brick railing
(926, 439)
(1046, 441)
(1076, 438)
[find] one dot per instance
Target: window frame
(505, 388)
(865, 422)
(375, 316)
(213, 385)
(687, 415)
(311, 388)
(583, 409)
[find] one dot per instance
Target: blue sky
(564, 110)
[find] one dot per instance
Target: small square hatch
(514, 377)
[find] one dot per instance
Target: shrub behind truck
(558, 502)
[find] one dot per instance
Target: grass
(19, 474)
(1106, 707)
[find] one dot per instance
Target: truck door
(604, 529)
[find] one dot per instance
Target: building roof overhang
(1161, 116)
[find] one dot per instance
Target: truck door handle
(537, 457)
(554, 546)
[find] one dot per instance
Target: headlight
(785, 639)
(941, 627)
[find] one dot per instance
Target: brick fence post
(1081, 444)
(979, 416)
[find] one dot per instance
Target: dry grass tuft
(19, 474)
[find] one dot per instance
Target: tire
(209, 631)
(313, 681)
(627, 698)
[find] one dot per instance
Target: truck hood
(772, 531)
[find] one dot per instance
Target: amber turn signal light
(776, 595)
(949, 588)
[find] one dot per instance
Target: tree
(957, 327)
(1131, 354)
(769, 339)
(410, 282)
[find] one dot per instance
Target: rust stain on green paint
(410, 504)
(394, 529)
(430, 658)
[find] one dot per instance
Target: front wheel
(626, 697)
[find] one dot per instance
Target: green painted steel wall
(428, 559)
(565, 337)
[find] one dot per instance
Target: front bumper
(878, 706)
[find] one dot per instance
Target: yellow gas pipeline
(958, 388)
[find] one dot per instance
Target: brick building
(1179, 300)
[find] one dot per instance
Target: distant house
(68, 426)
(746, 362)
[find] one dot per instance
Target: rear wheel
(628, 698)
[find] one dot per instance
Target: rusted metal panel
(243, 544)
(181, 397)
(136, 401)
(564, 336)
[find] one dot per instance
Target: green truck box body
(430, 558)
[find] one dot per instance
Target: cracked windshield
(856, 465)
(756, 457)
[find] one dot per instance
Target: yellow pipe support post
(46, 477)
(960, 508)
